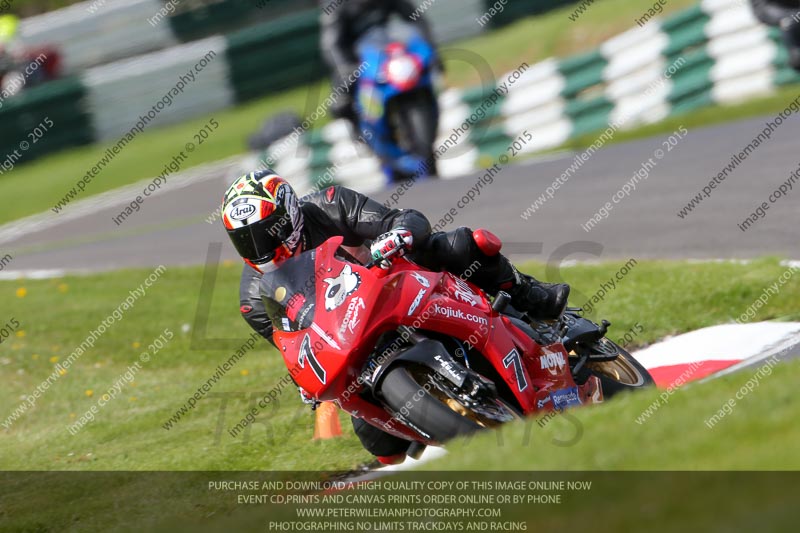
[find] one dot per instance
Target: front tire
(413, 401)
(416, 122)
(434, 406)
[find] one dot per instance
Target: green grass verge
(504, 49)
(55, 316)
(665, 297)
(675, 437)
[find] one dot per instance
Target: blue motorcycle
(396, 103)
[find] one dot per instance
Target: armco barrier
(713, 53)
(62, 102)
(97, 32)
(198, 21)
(119, 93)
(94, 33)
(275, 56)
(125, 52)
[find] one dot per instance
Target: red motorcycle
(425, 355)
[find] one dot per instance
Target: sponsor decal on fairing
(464, 293)
(553, 362)
(351, 315)
(421, 279)
(340, 287)
(416, 301)
(449, 312)
(565, 398)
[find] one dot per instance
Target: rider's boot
(544, 301)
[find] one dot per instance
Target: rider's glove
(394, 242)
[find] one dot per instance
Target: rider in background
(784, 14)
(268, 224)
(343, 22)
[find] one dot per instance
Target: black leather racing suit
(359, 219)
(343, 22)
(771, 12)
(784, 14)
(338, 211)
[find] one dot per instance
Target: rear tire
(622, 374)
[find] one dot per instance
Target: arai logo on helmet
(242, 211)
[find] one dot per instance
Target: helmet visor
(258, 242)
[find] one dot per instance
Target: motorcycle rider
(784, 14)
(268, 224)
(343, 23)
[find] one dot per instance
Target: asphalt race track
(171, 228)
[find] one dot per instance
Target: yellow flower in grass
(20, 333)
(62, 371)
(22, 292)
(133, 398)
(244, 372)
(89, 393)
(54, 359)
(136, 345)
(63, 287)
(35, 357)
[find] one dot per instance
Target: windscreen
(288, 292)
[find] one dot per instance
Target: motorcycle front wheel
(436, 406)
(414, 119)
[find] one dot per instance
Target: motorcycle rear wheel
(432, 405)
(624, 373)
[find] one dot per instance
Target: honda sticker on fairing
(351, 315)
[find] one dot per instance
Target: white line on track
(120, 196)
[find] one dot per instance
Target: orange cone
(327, 424)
